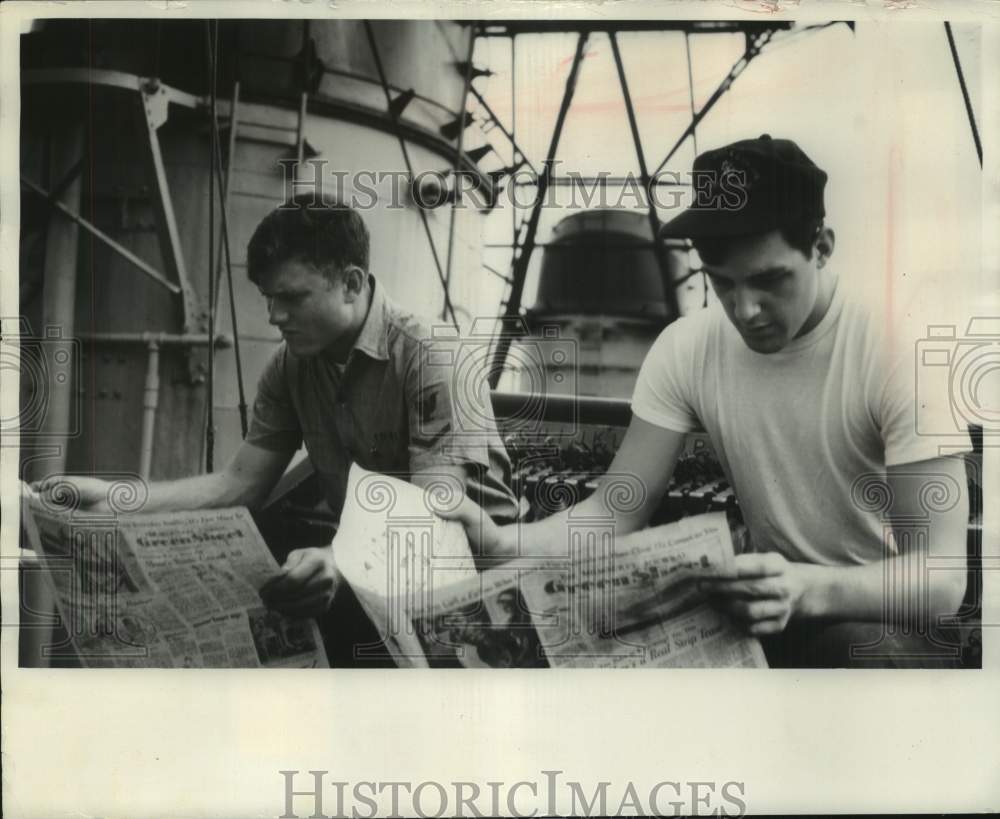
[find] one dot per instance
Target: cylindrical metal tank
(601, 262)
(601, 292)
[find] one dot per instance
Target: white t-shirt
(795, 430)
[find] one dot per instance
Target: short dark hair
(329, 236)
(800, 234)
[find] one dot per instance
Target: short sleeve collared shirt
(394, 407)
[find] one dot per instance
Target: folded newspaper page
(177, 589)
(621, 602)
(397, 554)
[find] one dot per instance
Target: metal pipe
(694, 113)
(603, 244)
(519, 269)
(752, 50)
(162, 339)
(150, 401)
(59, 279)
(151, 390)
(59, 304)
(513, 131)
(213, 139)
(300, 131)
(613, 181)
(223, 188)
(99, 234)
(233, 125)
(965, 92)
(458, 159)
(669, 292)
(537, 26)
(150, 114)
(376, 56)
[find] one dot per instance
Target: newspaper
(396, 553)
(628, 602)
(611, 602)
(639, 604)
(168, 590)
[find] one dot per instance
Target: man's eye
(286, 298)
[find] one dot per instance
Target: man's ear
(354, 280)
(824, 245)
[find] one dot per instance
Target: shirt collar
(372, 340)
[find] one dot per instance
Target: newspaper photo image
(494, 630)
(170, 590)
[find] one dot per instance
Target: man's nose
(276, 314)
(746, 305)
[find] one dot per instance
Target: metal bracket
(154, 102)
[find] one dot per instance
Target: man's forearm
(548, 537)
(889, 589)
(544, 537)
(904, 585)
(197, 492)
(245, 481)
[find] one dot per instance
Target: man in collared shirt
(356, 379)
(387, 407)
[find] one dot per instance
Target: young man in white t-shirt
(811, 412)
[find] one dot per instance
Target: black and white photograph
(687, 311)
(496, 632)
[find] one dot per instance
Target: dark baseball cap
(751, 186)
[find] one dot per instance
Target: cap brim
(689, 224)
(697, 223)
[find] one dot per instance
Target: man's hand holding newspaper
(307, 584)
(763, 593)
(171, 589)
